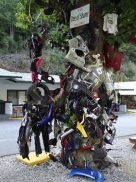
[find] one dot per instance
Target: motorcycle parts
(48, 118)
(88, 172)
(77, 53)
(34, 95)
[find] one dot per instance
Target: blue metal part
(48, 118)
(88, 172)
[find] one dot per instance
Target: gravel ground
(14, 171)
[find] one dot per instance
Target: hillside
(20, 62)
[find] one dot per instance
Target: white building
(126, 93)
(126, 88)
(13, 87)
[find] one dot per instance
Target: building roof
(8, 74)
(21, 77)
(126, 88)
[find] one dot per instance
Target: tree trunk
(99, 20)
(11, 31)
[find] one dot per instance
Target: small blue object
(48, 118)
(88, 172)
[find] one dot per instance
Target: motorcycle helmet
(77, 53)
(38, 93)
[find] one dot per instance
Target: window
(16, 97)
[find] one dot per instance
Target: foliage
(53, 61)
(22, 20)
(15, 16)
(10, 35)
(130, 52)
(125, 10)
(127, 72)
(128, 67)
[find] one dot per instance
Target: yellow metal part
(44, 157)
(81, 129)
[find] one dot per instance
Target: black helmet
(38, 93)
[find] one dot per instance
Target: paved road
(8, 137)
(126, 125)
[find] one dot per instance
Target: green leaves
(128, 66)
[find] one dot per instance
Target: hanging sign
(79, 16)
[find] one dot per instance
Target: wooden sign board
(80, 16)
